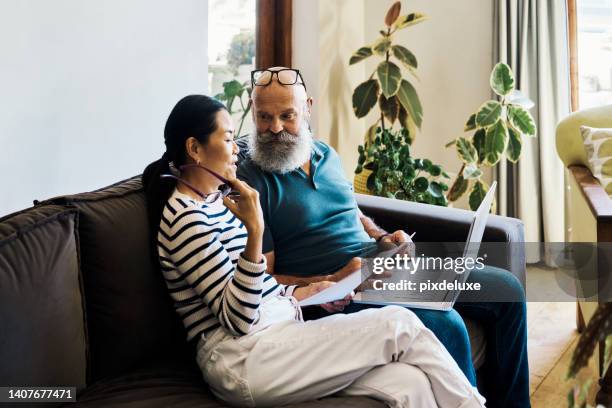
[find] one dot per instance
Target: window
(594, 51)
(242, 35)
(231, 53)
(231, 41)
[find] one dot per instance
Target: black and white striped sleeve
(287, 290)
(232, 293)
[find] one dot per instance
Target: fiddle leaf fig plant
(385, 167)
(396, 97)
(499, 127)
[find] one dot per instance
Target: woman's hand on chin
(247, 209)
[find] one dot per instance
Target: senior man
(314, 231)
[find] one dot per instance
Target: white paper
(335, 292)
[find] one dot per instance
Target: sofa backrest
(130, 317)
(42, 330)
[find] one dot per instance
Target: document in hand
(335, 292)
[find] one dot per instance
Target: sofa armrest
(442, 224)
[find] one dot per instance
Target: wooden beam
(572, 19)
(273, 33)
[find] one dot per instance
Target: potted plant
(395, 174)
(597, 332)
(385, 166)
(500, 126)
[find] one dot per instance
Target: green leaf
(220, 97)
(466, 151)
(381, 46)
(435, 170)
(389, 108)
(471, 171)
(421, 184)
(389, 76)
(407, 124)
(496, 139)
(516, 97)
(435, 189)
(502, 79)
(478, 140)
(405, 56)
(233, 88)
(378, 185)
(478, 194)
(470, 124)
(360, 54)
(522, 120)
(409, 20)
(364, 97)
(409, 173)
(458, 188)
(409, 99)
(513, 150)
(488, 113)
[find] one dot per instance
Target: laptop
(436, 299)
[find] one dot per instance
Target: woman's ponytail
(157, 191)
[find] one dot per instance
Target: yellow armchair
(588, 209)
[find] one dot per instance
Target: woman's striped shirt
(200, 250)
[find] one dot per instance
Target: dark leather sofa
(82, 302)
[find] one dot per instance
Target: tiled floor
(552, 337)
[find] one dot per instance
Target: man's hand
(339, 305)
(399, 237)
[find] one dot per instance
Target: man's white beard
(281, 152)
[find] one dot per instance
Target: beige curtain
(531, 37)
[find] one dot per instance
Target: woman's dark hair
(192, 116)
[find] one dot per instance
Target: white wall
(325, 34)
(86, 87)
(306, 54)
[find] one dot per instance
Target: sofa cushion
(175, 385)
(42, 330)
(130, 317)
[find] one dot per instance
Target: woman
(253, 347)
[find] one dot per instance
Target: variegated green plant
(499, 127)
(396, 96)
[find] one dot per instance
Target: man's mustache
(284, 136)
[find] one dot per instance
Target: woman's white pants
(386, 354)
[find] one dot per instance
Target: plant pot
(360, 182)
